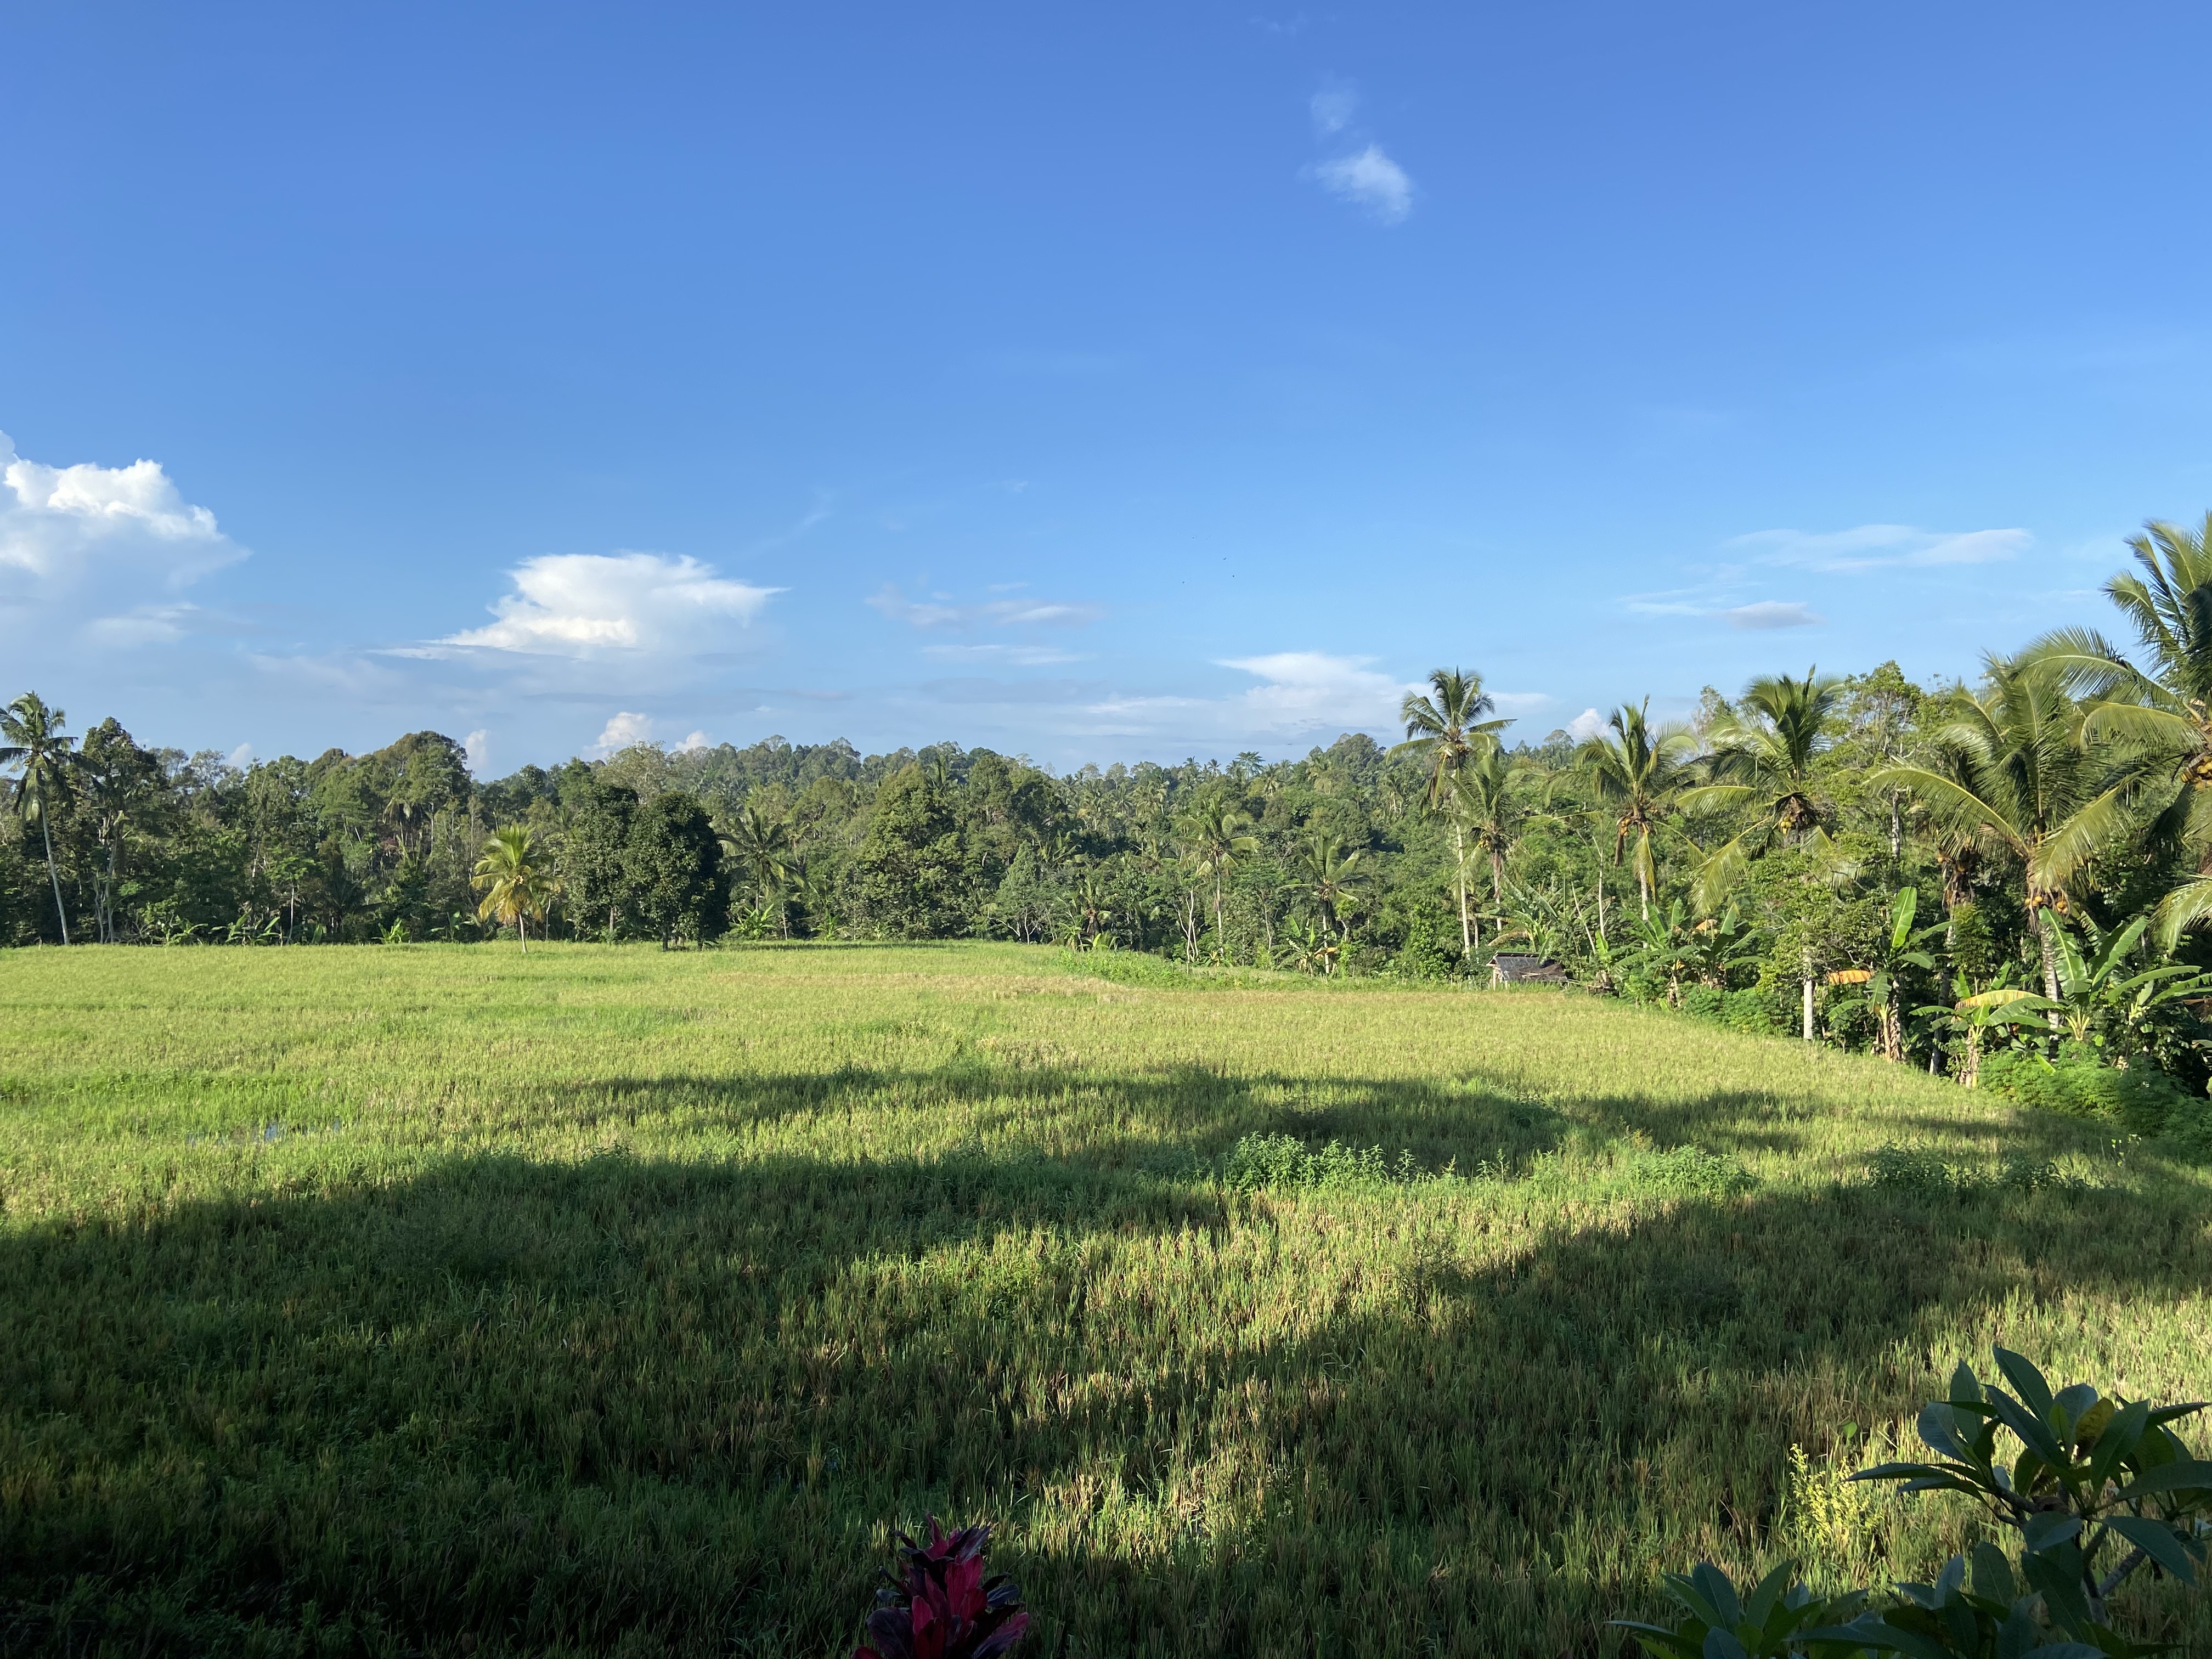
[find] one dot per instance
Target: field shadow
(627, 1405)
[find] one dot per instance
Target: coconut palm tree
(1763, 751)
(2159, 714)
(2021, 777)
(517, 883)
(762, 846)
(1485, 801)
(1447, 728)
(44, 762)
(1447, 724)
(1639, 773)
(1216, 839)
(1328, 870)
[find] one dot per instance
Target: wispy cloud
(1881, 547)
(1017, 656)
(939, 610)
(1333, 108)
(1368, 178)
(1770, 613)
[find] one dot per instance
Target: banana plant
(1903, 947)
(2098, 1001)
(1972, 1015)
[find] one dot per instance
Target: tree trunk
(1221, 937)
(522, 928)
(47, 830)
(1808, 1007)
(1459, 874)
(2043, 926)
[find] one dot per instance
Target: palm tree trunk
(1808, 1004)
(2042, 925)
(1220, 939)
(1459, 872)
(47, 830)
(522, 928)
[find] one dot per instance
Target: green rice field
(442, 1300)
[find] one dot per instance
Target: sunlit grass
(436, 1299)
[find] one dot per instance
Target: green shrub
(2139, 1100)
(1927, 1174)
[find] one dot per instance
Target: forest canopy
(1934, 872)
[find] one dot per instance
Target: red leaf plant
(940, 1606)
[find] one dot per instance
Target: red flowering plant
(940, 1606)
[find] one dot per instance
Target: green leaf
(2183, 1474)
(2157, 1541)
(1655, 1636)
(1965, 1387)
(2034, 1434)
(1939, 1427)
(2048, 1530)
(2116, 1439)
(1769, 1591)
(1718, 1593)
(1722, 1644)
(2026, 1381)
(1993, 1574)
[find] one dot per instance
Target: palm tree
(762, 845)
(2161, 715)
(1486, 810)
(2021, 776)
(44, 761)
(1763, 755)
(1637, 772)
(1215, 842)
(1326, 870)
(516, 884)
(1447, 726)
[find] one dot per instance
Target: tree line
(1924, 871)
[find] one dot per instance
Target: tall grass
(432, 1300)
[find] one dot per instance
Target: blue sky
(1094, 383)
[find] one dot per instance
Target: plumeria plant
(2080, 1479)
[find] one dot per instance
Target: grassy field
(439, 1300)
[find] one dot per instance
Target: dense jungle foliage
(1929, 872)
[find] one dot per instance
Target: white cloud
(1770, 613)
(1367, 178)
(478, 746)
(939, 612)
(75, 540)
(1304, 694)
(1883, 546)
(1020, 656)
(628, 728)
(1587, 724)
(241, 757)
(612, 604)
(1520, 703)
(623, 730)
(1333, 108)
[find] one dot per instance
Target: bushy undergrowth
(624, 1302)
(1927, 1174)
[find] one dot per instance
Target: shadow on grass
(625, 1406)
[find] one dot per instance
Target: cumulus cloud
(1368, 179)
(599, 605)
(1587, 724)
(75, 540)
(939, 611)
(628, 728)
(478, 747)
(1882, 546)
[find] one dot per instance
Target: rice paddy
(438, 1300)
